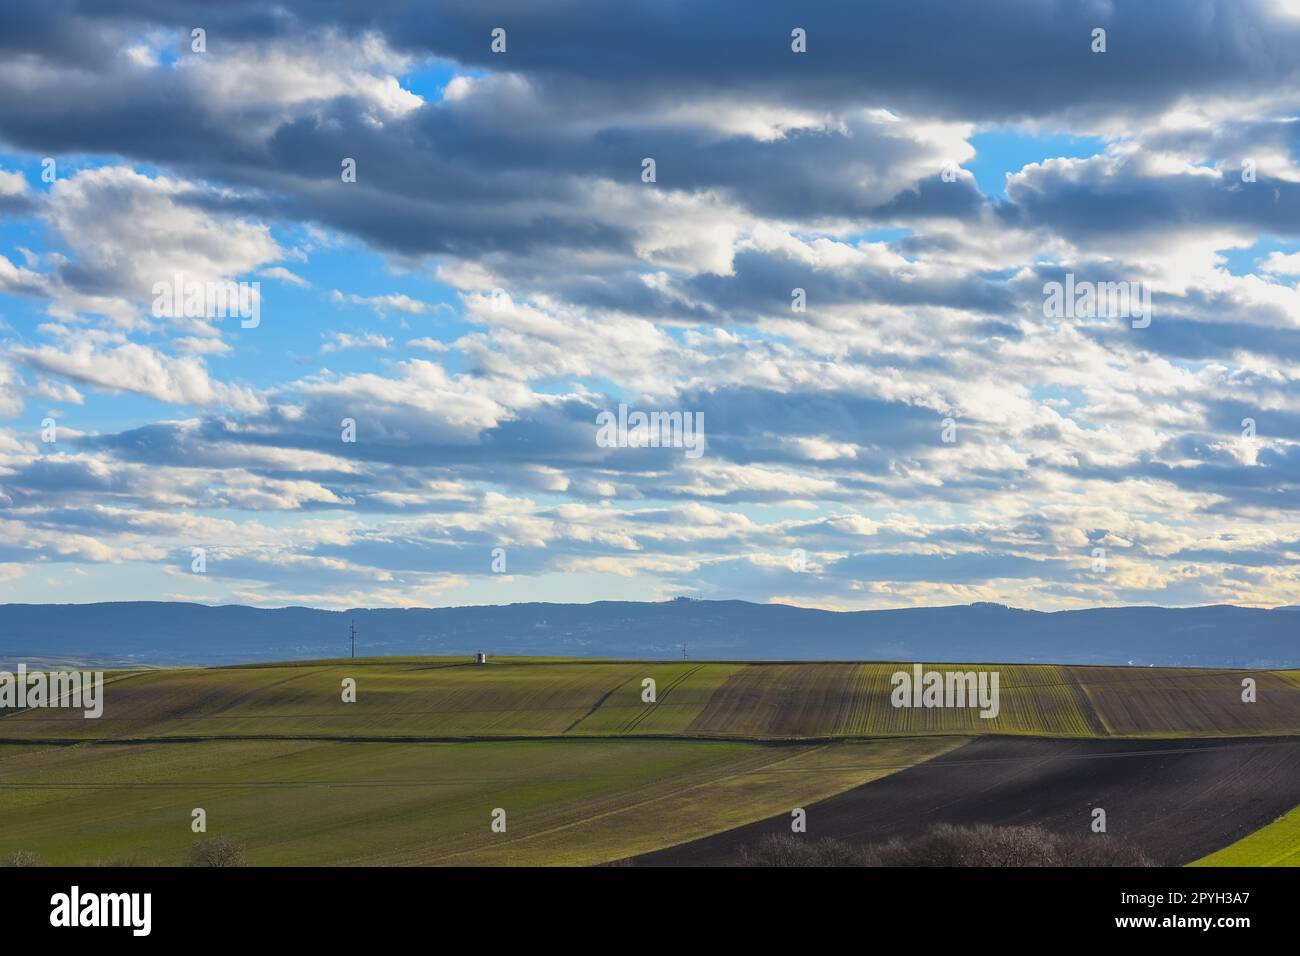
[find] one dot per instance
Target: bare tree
(219, 851)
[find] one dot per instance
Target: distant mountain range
(162, 634)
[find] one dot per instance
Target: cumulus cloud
(1279, 263)
(127, 232)
(136, 368)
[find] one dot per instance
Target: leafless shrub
(778, 849)
(219, 851)
(21, 858)
(947, 845)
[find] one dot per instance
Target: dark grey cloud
(449, 180)
(993, 60)
(761, 284)
(1099, 202)
(1203, 340)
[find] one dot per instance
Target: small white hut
(480, 657)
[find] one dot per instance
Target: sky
(461, 235)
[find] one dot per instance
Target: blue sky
(921, 431)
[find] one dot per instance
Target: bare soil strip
(1177, 799)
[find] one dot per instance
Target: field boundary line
(1270, 737)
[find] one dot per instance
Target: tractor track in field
(636, 721)
(600, 702)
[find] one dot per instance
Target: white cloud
(1281, 263)
(341, 341)
(12, 183)
(389, 303)
(284, 275)
(140, 370)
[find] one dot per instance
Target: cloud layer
(403, 408)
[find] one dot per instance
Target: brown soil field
(1133, 701)
(1176, 799)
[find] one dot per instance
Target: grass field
(437, 698)
(1275, 845)
(325, 802)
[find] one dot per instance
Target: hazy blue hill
(174, 633)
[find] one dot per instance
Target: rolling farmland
(433, 698)
(589, 771)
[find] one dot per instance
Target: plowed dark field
(1177, 799)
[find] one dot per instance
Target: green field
(586, 771)
(329, 802)
(1275, 845)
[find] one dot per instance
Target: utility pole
(684, 654)
(354, 638)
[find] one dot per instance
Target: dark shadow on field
(1177, 799)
